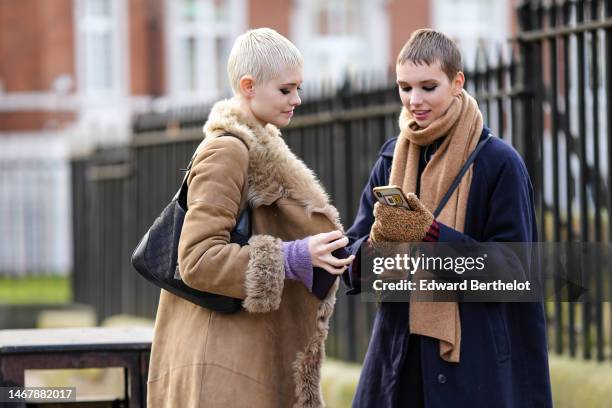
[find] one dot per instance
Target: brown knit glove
(396, 224)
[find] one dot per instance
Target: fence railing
(549, 96)
(118, 193)
(34, 210)
(566, 47)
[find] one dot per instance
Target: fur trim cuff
(265, 274)
(307, 367)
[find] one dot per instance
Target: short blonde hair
(427, 46)
(261, 53)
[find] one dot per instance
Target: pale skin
(426, 91)
(273, 102)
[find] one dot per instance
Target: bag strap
(462, 172)
(181, 195)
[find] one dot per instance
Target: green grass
(575, 383)
(35, 290)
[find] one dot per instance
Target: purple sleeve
(298, 265)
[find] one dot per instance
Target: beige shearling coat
(268, 354)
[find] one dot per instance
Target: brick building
(73, 72)
(94, 62)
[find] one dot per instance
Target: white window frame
(365, 51)
(117, 26)
(489, 23)
(207, 32)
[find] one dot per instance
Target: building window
(98, 8)
(200, 36)
(223, 48)
(98, 31)
(190, 63)
(338, 17)
(472, 23)
(340, 37)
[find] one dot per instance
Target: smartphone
(391, 195)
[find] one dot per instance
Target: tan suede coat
(269, 354)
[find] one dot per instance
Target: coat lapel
(274, 170)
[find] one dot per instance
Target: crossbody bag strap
(242, 230)
(462, 172)
(182, 193)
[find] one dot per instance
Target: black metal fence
(566, 48)
(548, 94)
(33, 209)
(118, 193)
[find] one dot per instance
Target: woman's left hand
(397, 224)
(322, 245)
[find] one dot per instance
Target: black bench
(96, 347)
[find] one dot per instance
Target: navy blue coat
(504, 360)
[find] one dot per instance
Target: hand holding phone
(399, 218)
(392, 196)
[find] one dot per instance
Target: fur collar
(274, 170)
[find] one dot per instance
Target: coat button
(441, 378)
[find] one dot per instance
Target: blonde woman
(269, 353)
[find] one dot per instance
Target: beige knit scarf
(462, 124)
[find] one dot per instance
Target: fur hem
(307, 366)
(265, 274)
(274, 170)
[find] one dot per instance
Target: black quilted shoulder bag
(155, 257)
